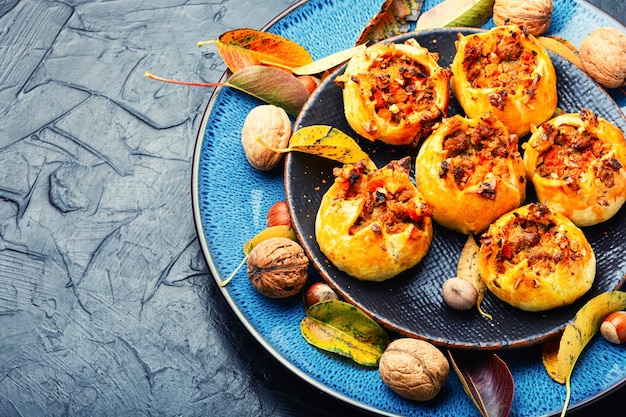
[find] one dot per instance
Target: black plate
(411, 303)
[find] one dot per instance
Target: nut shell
(413, 369)
(534, 14)
(278, 267)
(272, 125)
(603, 56)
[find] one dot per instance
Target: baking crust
(536, 260)
(374, 225)
(470, 172)
(576, 162)
(394, 93)
(507, 72)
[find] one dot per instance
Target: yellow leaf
(273, 231)
(467, 269)
(562, 48)
(328, 62)
(327, 142)
(577, 334)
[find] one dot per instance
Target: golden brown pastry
(576, 163)
(535, 260)
(470, 172)
(394, 92)
(374, 225)
(507, 72)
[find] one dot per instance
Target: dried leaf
(576, 336)
(327, 142)
(241, 48)
(561, 47)
(487, 380)
(271, 85)
(468, 270)
(456, 13)
(392, 19)
(339, 327)
(328, 62)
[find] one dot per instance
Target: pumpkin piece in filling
(576, 162)
(470, 172)
(535, 260)
(394, 93)
(374, 225)
(506, 72)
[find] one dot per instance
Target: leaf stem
(230, 277)
(202, 43)
(148, 74)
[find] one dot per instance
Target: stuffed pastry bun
(576, 164)
(507, 72)
(535, 260)
(470, 172)
(374, 225)
(394, 93)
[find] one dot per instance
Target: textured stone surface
(106, 303)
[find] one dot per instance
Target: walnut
(272, 125)
(413, 369)
(603, 56)
(534, 14)
(278, 267)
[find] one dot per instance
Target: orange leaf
(245, 47)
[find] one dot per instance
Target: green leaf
(327, 142)
(328, 62)
(340, 327)
(456, 13)
(559, 362)
(486, 379)
(392, 19)
(272, 85)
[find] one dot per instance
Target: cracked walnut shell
(278, 267)
(414, 369)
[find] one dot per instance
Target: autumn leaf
(468, 270)
(273, 231)
(241, 48)
(561, 47)
(340, 327)
(328, 62)
(327, 142)
(456, 13)
(487, 380)
(559, 361)
(392, 19)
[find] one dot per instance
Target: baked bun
(374, 225)
(507, 72)
(535, 260)
(470, 172)
(394, 93)
(576, 164)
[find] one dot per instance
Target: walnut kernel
(278, 267)
(603, 56)
(413, 369)
(272, 125)
(534, 14)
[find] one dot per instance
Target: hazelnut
(318, 292)
(459, 294)
(413, 369)
(603, 56)
(534, 14)
(272, 125)
(278, 215)
(278, 267)
(613, 327)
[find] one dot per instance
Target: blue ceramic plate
(230, 200)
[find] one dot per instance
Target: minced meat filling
(388, 195)
(571, 154)
(473, 152)
(500, 62)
